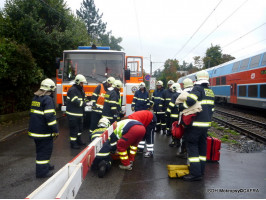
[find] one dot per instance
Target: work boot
(190, 177)
(51, 167)
(80, 142)
(172, 144)
(129, 167)
(169, 133)
(164, 132)
(102, 169)
(74, 145)
(49, 174)
(181, 155)
(140, 150)
(148, 154)
(131, 163)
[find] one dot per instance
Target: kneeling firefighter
(128, 133)
(103, 160)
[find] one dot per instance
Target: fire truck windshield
(96, 67)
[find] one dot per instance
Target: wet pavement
(237, 175)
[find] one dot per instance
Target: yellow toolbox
(177, 171)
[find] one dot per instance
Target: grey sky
(161, 28)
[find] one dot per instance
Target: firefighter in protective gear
(173, 111)
(141, 99)
(43, 127)
(128, 133)
(166, 98)
(148, 119)
(155, 102)
(196, 134)
(75, 106)
(97, 99)
(112, 102)
(103, 160)
(188, 86)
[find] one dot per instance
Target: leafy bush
(19, 76)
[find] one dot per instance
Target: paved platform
(237, 175)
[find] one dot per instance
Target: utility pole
(150, 66)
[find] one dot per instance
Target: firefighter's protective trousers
(196, 144)
(44, 148)
(130, 140)
(75, 127)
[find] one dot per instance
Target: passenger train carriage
(240, 81)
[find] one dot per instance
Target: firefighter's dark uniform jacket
(42, 118)
(75, 101)
(104, 153)
(141, 100)
(98, 97)
(156, 100)
(111, 107)
(173, 109)
(166, 98)
(205, 96)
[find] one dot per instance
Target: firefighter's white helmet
(110, 80)
(142, 85)
(48, 85)
(104, 122)
(170, 82)
(80, 79)
(117, 84)
(159, 83)
(176, 87)
(202, 75)
(187, 83)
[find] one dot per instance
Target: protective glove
(132, 108)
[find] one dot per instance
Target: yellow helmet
(187, 82)
(170, 82)
(80, 79)
(175, 87)
(110, 80)
(104, 122)
(142, 84)
(159, 83)
(117, 84)
(202, 75)
(48, 85)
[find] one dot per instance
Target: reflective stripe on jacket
(42, 122)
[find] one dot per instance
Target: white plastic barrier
(65, 183)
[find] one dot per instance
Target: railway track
(249, 127)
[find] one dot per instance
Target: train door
(233, 93)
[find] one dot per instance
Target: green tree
(213, 56)
(109, 40)
(46, 27)
(226, 58)
(18, 76)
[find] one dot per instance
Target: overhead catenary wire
(244, 35)
(235, 11)
(197, 29)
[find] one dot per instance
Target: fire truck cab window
(96, 67)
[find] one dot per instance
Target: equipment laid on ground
(213, 149)
(177, 171)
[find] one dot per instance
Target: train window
(223, 80)
(264, 60)
(235, 66)
(253, 91)
(263, 91)
(218, 81)
(242, 90)
(255, 61)
(244, 64)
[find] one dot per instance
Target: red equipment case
(213, 149)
